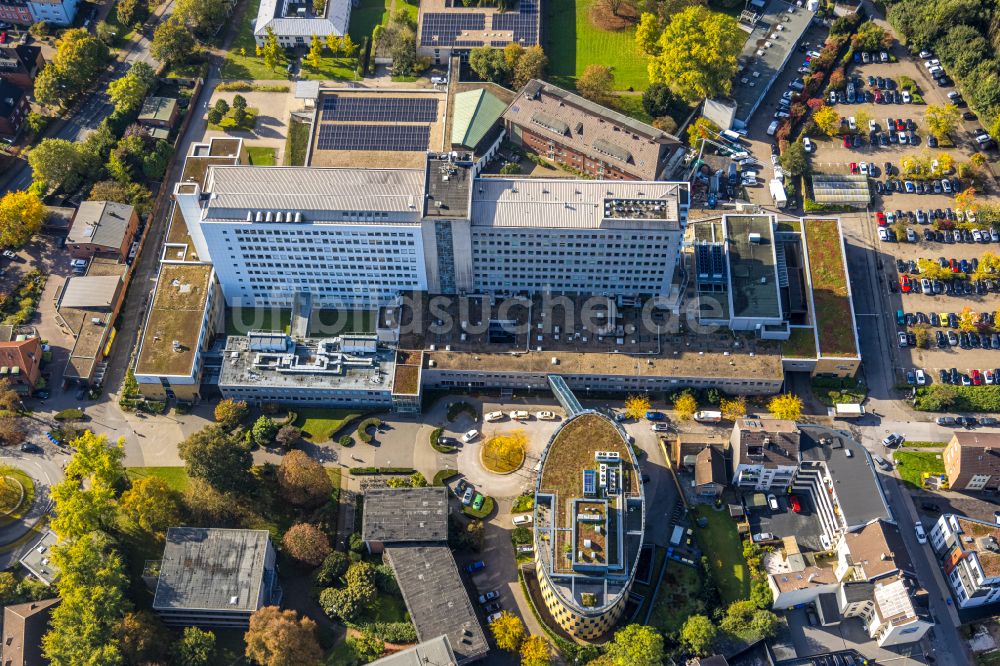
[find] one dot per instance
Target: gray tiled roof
(338, 16)
(394, 515)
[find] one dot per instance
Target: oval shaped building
(589, 521)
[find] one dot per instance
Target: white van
(520, 415)
(772, 128)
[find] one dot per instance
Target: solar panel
(380, 109)
(589, 482)
(523, 23)
(442, 28)
(405, 138)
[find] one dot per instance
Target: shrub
(385, 579)
(440, 448)
(455, 409)
(367, 471)
(354, 543)
(331, 570)
(523, 503)
(484, 511)
(363, 427)
(346, 440)
(71, 414)
(520, 535)
(442, 476)
(392, 632)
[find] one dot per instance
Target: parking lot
(803, 525)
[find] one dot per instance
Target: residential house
(23, 628)
(159, 115)
(710, 472)
(563, 127)
(55, 12)
(969, 550)
(20, 63)
(20, 357)
(765, 453)
(972, 461)
(102, 227)
(15, 11)
(14, 109)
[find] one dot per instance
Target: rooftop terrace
(176, 315)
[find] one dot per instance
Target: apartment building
(969, 550)
(972, 461)
(14, 109)
(56, 12)
(295, 23)
(15, 11)
(19, 63)
(765, 453)
(21, 358)
(588, 137)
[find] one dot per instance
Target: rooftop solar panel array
(380, 109)
(448, 26)
(403, 138)
(524, 22)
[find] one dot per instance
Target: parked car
(492, 417)
(660, 427)
(475, 567)
(487, 597)
(546, 416)
(477, 501)
(468, 495)
(795, 504)
(461, 487)
(763, 536)
(524, 519)
(28, 447)
(921, 535)
(893, 439)
(881, 462)
(469, 436)
(772, 502)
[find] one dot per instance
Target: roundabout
(504, 453)
(17, 494)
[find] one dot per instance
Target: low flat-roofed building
(102, 227)
(214, 577)
(475, 118)
(436, 598)
(765, 453)
(24, 625)
(346, 371)
(89, 305)
(775, 29)
(969, 550)
(841, 189)
(38, 560)
(972, 461)
(159, 112)
(404, 515)
(20, 357)
(433, 652)
(574, 131)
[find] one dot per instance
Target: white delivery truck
(707, 417)
(778, 193)
(844, 410)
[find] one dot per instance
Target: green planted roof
(476, 111)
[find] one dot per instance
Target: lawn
(261, 156)
(249, 66)
(721, 544)
(331, 68)
(679, 597)
(318, 425)
(175, 477)
(239, 322)
(913, 464)
(229, 123)
(801, 344)
(365, 16)
(924, 445)
(26, 499)
(829, 283)
(297, 143)
(579, 43)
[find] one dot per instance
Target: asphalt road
(95, 107)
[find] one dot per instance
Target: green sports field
(573, 44)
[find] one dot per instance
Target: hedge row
(946, 398)
(440, 448)
(392, 632)
(364, 471)
(363, 433)
(442, 475)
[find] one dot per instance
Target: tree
(531, 65)
(10, 401)
(79, 59)
(264, 430)
(222, 106)
(306, 543)
(489, 64)
(966, 198)
(512, 53)
(315, 52)
(128, 92)
(335, 43)
(11, 431)
(85, 498)
(967, 320)
(151, 504)
(685, 405)
(196, 647)
(636, 406)
(861, 118)
(341, 603)
(288, 435)
(871, 37)
(360, 578)
(143, 638)
(698, 635)
(747, 622)
(347, 46)
(795, 159)
(302, 480)
(230, 413)
(657, 100)
(508, 631)
(647, 33)
(204, 17)
(367, 645)
(697, 53)
(786, 406)
(636, 645)
(84, 627)
(172, 42)
(282, 638)
(597, 83)
(827, 120)
(21, 216)
(942, 120)
(214, 117)
(701, 128)
(60, 163)
(922, 335)
(535, 652)
(333, 567)
(50, 87)
(270, 50)
(131, 12)
(733, 409)
(215, 455)
(132, 193)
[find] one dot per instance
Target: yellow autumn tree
(786, 406)
(685, 405)
(535, 652)
(827, 119)
(733, 409)
(504, 452)
(507, 631)
(967, 320)
(636, 406)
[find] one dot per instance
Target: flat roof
(393, 515)
(177, 313)
(831, 290)
(38, 560)
(102, 223)
(983, 539)
(178, 235)
(90, 292)
(769, 45)
(768, 442)
(432, 652)
(447, 24)
(211, 569)
(437, 599)
(855, 481)
(841, 188)
(752, 274)
(158, 108)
